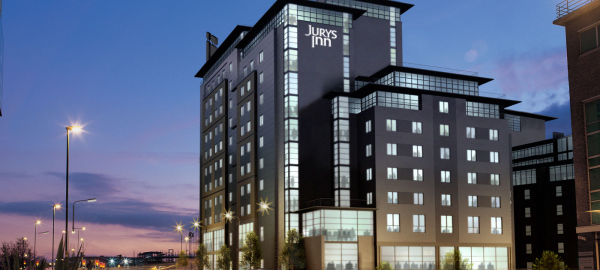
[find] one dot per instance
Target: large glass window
(341, 256)
(391, 100)
(514, 122)
(473, 223)
(393, 197)
(495, 258)
(524, 177)
(496, 225)
(445, 175)
(561, 172)
(483, 110)
(404, 257)
(446, 224)
(417, 127)
(338, 225)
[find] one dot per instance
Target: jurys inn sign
(321, 36)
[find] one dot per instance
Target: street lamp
(179, 229)
(38, 222)
(56, 206)
(73, 232)
(197, 226)
(75, 129)
(88, 200)
(187, 246)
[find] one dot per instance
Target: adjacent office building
(545, 213)
(581, 20)
(372, 160)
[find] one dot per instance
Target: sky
(124, 70)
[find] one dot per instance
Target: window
(527, 195)
(418, 198)
(261, 121)
(368, 126)
(471, 132)
(446, 224)
(471, 155)
(558, 191)
(369, 174)
(561, 247)
(495, 179)
(261, 141)
(472, 178)
(444, 130)
(417, 151)
(417, 127)
(483, 110)
(496, 225)
(393, 197)
(514, 122)
(261, 184)
(443, 107)
(445, 153)
(261, 163)
(495, 202)
(473, 223)
(261, 77)
(393, 173)
(559, 210)
(527, 212)
(561, 172)
(419, 223)
(560, 229)
(390, 125)
(528, 248)
(245, 73)
(392, 149)
(262, 233)
(230, 67)
(493, 134)
(446, 200)
(588, 39)
(369, 149)
(527, 230)
(445, 176)
(251, 66)
(370, 198)
(261, 57)
(393, 222)
(472, 201)
(417, 175)
(494, 157)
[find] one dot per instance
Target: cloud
(12, 176)
(540, 79)
(563, 123)
(127, 212)
(91, 183)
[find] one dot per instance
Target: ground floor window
(405, 257)
(486, 257)
(341, 256)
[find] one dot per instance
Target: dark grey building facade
(545, 212)
(371, 160)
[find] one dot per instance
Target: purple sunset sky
(124, 70)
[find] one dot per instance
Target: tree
(201, 260)
(14, 254)
(293, 254)
(251, 252)
(384, 266)
(182, 261)
(549, 261)
(64, 262)
(224, 258)
(453, 261)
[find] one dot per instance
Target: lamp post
(88, 200)
(38, 222)
(197, 226)
(179, 229)
(24, 252)
(56, 206)
(187, 245)
(74, 129)
(83, 228)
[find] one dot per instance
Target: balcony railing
(568, 6)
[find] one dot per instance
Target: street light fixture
(179, 229)
(56, 206)
(38, 222)
(75, 129)
(88, 200)
(78, 229)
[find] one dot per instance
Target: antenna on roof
(211, 45)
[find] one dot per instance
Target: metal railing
(441, 69)
(567, 6)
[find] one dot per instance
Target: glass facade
(405, 257)
(524, 177)
(483, 110)
(514, 122)
(340, 256)
(428, 82)
(486, 257)
(341, 148)
(391, 100)
(373, 10)
(338, 225)
(535, 151)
